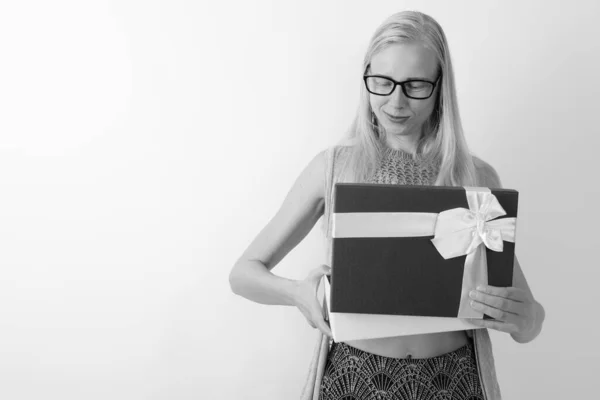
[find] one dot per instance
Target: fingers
(513, 293)
(320, 271)
(499, 314)
(318, 322)
(497, 325)
(314, 317)
(314, 277)
(496, 302)
(509, 306)
(324, 327)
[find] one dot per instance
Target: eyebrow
(409, 78)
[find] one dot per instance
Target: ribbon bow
(460, 231)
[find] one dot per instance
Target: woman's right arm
(251, 276)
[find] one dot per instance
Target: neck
(402, 143)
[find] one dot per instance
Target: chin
(395, 130)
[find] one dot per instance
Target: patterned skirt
(354, 374)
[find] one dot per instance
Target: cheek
(422, 109)
(376, 103)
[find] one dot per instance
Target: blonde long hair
(442, 141)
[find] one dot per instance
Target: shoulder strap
(328, 195)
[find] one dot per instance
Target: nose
(397, 97)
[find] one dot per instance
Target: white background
(143, 145)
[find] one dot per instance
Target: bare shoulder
(349, 142)
(308, 190)
(486, 174)
(315, 173)
(295, 218)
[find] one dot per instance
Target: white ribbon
(457, 232)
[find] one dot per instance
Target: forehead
(405, 60)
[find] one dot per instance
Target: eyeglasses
(414, 88)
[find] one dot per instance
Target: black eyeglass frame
(396, 83)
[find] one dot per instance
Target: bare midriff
(414, 346)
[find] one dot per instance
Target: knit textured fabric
(400, 167)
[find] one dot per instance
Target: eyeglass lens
(384, 86)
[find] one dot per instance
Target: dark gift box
(419, 250)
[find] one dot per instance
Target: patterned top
(400, 167)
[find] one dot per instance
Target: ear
(486, 174)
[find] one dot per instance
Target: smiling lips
(395, 116)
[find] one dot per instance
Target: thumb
(323, 326)
(318, 272)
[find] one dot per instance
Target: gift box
(404, 258)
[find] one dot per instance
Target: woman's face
(402, 62)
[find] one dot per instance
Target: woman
(407, 131)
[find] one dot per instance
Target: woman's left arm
(514, 308)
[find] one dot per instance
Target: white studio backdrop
(144, 144)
